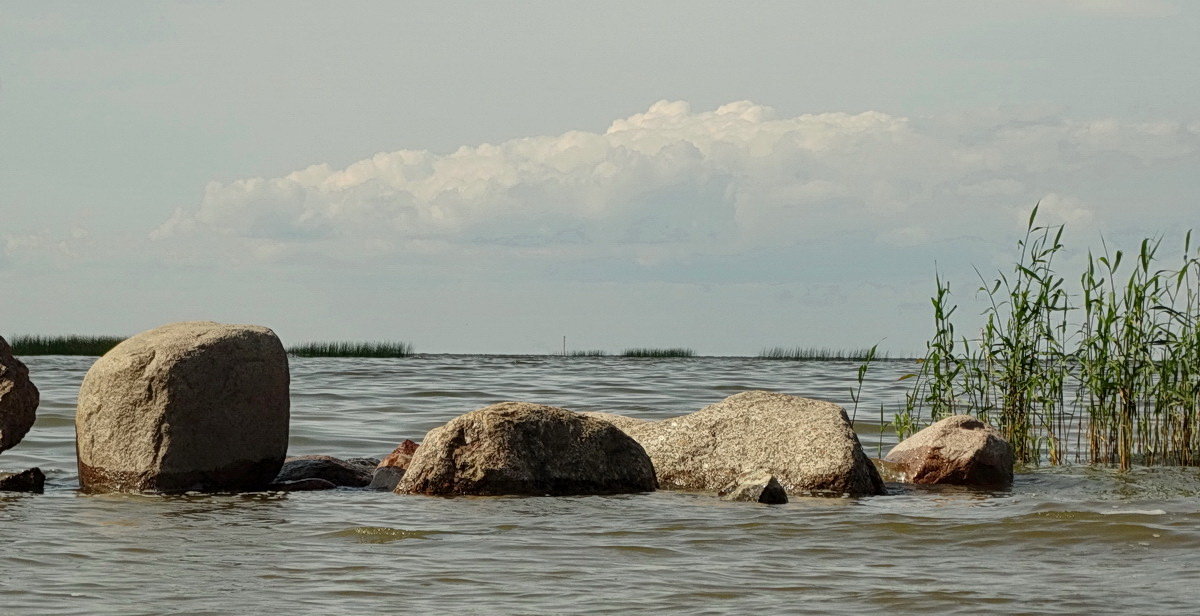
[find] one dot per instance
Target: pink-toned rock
(400, 456)
(18, 398)
(959, 450)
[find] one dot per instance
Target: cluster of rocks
(203, 406)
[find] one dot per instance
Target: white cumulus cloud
(674, 181)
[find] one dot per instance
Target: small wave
(1134, 512)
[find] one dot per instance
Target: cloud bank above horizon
(672, 183)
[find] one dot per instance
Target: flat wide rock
(188, 406)
(331, 469)
(527, 449)
(18, 398)
(808, 445)
(958, 450)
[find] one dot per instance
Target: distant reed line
(63, 345)
(820, 354)
(646, 352)
(351, 349)
(1109, 374)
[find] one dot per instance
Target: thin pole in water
(564, 346)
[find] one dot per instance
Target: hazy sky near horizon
(489, 177)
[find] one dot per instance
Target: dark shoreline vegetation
(1108, 375)
(63, 345)
(646, 352)
(351, 349)
(820, 354)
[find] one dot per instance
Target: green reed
(820, 353)
(64, 345)
(1117, 364)
(674, 352)
(352, 349)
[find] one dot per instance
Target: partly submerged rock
(529, 449)
(401, 456)
(32, 480)
(755, 487)
(331, 469)
(187, 406)
(808, 445)
(311, 484)
(386, 478)
(959, 450)
(18, 398)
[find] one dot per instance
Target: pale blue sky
(725, 176)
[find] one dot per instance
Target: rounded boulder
(520, 448)
(194, 406)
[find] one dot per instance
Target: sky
(491, 177)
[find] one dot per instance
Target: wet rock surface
(335, 471)
(188, 406)
(32, 480)
(18, 398)
(302, 485)
(527, 449)
(958, 450)
(808, 445)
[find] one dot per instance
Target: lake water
(1062, 541)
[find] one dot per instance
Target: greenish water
(1072, 540)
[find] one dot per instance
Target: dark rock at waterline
(386, 478)
(527, 449)
(958, 450)
(188, 406)
(32, 480)
(755, 487)
(18, 398)
(367, 462)
(333, 470)
(311, 484)
(808, 445)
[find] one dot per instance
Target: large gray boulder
(958, 450)
(188, 406)
(808, 445)
(18, 398)
(527, 449)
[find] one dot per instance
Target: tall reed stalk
(1117, 364)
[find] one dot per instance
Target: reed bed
(1107, 374)
(675, 352)
(588, 353)
(64, 345)
(819, 354)
(352, 349)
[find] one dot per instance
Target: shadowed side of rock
(527, 449)
(32, 480)
(336, 471)
(18, 398)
